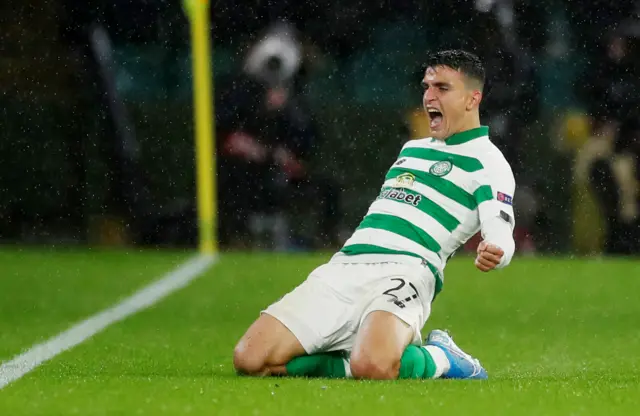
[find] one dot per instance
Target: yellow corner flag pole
(198, 13)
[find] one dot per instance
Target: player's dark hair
(467, 63)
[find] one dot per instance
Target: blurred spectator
(266, 140)
(610, 165)
(610, 85)
(590, 20)
(609, 160)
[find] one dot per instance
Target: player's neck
(469, 123)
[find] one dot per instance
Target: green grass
(45, 291)
(558, 337)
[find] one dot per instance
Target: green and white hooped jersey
(435, 197)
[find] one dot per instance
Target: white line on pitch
(20, 365)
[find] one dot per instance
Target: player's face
(446, 100)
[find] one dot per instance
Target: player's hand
(242, 145)
(489, 256)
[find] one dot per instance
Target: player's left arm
(497, 220)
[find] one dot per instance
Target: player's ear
(475, 96)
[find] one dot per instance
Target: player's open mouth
(436, 118)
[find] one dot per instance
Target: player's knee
(248, 362)
(265, 348)
(365, 366)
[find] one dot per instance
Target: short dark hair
(467, 63)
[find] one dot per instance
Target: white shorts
(325, 311)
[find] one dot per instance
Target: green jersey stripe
(483, 193)
(401, 227)
(465, 136)
(356, 249)
(424, 204)
(466, 163)
(441, 185)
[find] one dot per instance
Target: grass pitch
(558, 337)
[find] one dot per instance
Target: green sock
(416, 362)
(325, 365)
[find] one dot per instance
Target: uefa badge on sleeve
(504, 198)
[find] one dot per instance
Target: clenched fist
(489, 256)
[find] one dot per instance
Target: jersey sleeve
(494, 197)
(494, 193)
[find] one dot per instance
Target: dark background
(95, 157)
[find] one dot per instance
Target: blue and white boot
(462, 365)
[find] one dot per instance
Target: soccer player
(361, 314)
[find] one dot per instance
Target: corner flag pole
(204, 118)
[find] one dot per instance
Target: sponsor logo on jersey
(404, 181)
(401, 196)
(440, 168)
(507, 199)
(401, 161)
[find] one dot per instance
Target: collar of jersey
(467, 135)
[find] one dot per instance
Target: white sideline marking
(20, 365)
